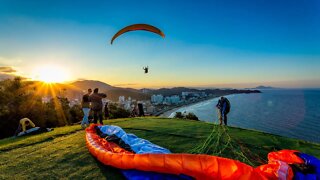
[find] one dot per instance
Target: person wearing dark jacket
(141, 111)
(223, 108)
(97, 105)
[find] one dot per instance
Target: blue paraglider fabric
(144, 175)
(138, 145)
(312, 162)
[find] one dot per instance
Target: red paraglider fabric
(136, 27)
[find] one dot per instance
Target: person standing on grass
(134, 110)
(218, 106)
(97, 105)
(141, 110)
(223, 107)
(85, 103)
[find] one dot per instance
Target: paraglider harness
(221, 104)
(228, 105)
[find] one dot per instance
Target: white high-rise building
(175, 99)
(121, 99)
(171, 100)
(157, 99)
(127, 105)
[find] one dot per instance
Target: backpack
(228, 105)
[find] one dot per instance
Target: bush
(117, 112)
(190, 116)
(76, 113)
(179, 115)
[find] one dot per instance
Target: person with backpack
(97, 105)
(224, 108)
(85, 103)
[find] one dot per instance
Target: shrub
(192, 116)
(178, 115)
(76, 113)
(117, 112)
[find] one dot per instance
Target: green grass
(62, 153)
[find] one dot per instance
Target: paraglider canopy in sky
(135, 27)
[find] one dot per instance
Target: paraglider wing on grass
(145, 156)
(196, 166)
(135, 27)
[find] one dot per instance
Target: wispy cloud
(7, 70)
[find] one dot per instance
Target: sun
(51, 74)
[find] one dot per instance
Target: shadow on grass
(18, 142)
(26, 145)
(109, 172)
(160, 133)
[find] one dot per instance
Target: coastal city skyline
(223, 44)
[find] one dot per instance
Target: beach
(168, 112)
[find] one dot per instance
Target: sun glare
(51, 74)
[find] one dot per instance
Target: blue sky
(208, 43)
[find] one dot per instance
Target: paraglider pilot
(146, 69)
(223, 109)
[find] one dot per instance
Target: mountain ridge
(76, 89)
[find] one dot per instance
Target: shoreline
(260, 115)
(169, 111)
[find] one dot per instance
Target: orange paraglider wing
(135, 27)
(195, 165)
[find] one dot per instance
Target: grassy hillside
(63, 154)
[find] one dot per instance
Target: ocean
(289, 113)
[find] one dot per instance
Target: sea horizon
(293, 115)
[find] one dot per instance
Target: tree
(19, 99)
